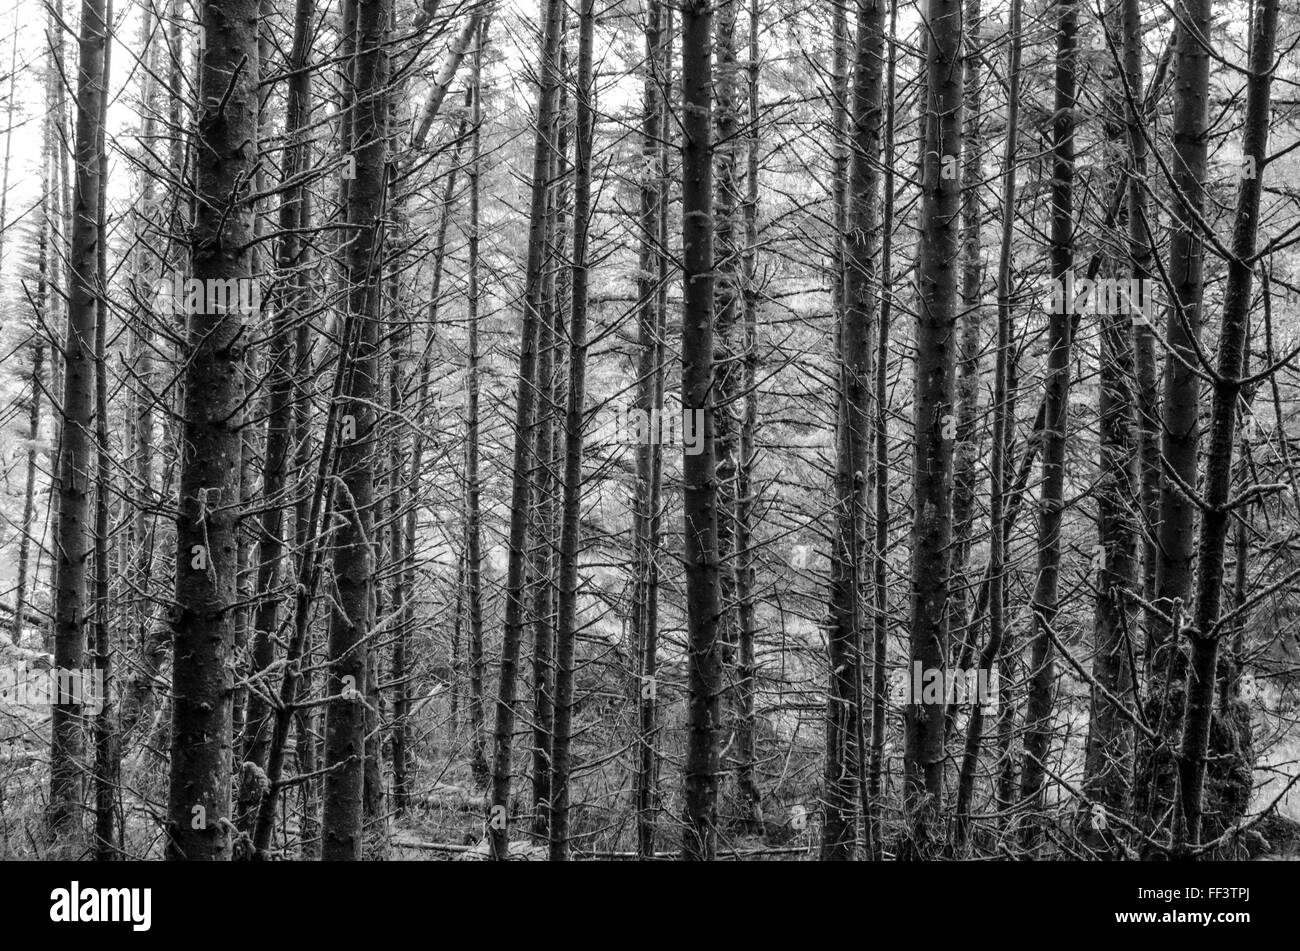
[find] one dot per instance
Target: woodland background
(375, 571)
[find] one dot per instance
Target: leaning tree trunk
(289, 309)
(1207, 623)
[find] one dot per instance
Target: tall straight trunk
(73, 541)
(62, 182)
(1154, 787)
(840, 127)
(1056, 387)
(473, 486)
(105, 725)
(401, 500)
(1003, 421)
(1108, 760)
(28, 523)
(726, 312)
(1207, 627)
(354, 556)
(306, 719)
(295, 211)
(933, 415)
(525, 414)
(879, 566)
(1230, 669)
(251, 445)
(404, 536)
(153, 634)
(141, 343)
(649, 399)
(852, 469)
(747, 457)
(566, 624)
(699, 488)
(1145, 384)
(543, 481)
(1010, 662)
(291, 258)
(207, 523)
(966, 453)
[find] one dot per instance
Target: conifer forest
(551, 430)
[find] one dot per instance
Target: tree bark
(473, 486)
(1206, 630)
(72, 540)
(1180, 414)
(852, 470)
(1046, 597)
(566, 625)
(1003, 421)
(700, 490)
(651, 288)
(354, 554)
(207, 525)
(934, 424)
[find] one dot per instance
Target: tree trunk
(747, 458)
(1056, 386)
(207, 525)
(1108, 760)
(1003, 423)
(354, 554)
(292, 255)
(1180, 411)
(852, 484)
(525, 414)
(935, 426)
(566, 626)
(1207, 629)
(73, 543)
(105, 724)
(655, 131)
(700, 491)
(966, 453)
(473, 487)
